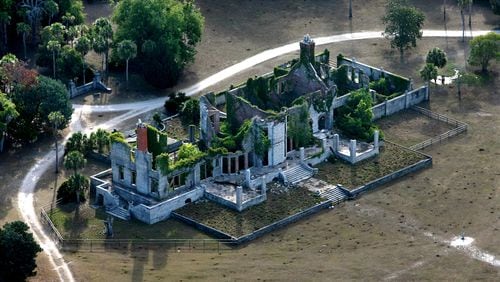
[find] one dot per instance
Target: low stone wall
(395, 105)
(161, 211)
(387, 178)
(246, 204)
(283, 222)
(205, 228)
(405, 101)
(378, 111)
(258, 233)
(340, 101)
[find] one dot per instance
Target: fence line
(93, 245)
(460, 127)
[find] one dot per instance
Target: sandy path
(25, 195)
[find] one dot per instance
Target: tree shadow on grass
(74, 224)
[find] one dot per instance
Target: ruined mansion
(249, 135)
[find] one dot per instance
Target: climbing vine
(187, 156)
(261, 143)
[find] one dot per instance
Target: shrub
(66, 193)
(174, 103)
(355, 118)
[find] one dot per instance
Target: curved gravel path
(26, 193)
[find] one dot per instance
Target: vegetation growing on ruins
(299, 129)
(355, 118)
(187, 156)
(157, 141)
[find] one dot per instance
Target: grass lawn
(390, 159)
(237, 224)
(87, 223)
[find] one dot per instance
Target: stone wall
(161, 211)
(405, 101)
(372, 72)
(234, 206)
(95, 85)
(277, 135)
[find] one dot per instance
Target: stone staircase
(298, 173)
(333, 62)
(334, 194)
(119, 212)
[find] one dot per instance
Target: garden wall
(395, 105)
(405, 101)
(161, 211)
(205, 228)
(234, 206)
(373, 72)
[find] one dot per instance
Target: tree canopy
(495, 5)
(403, 24)
(483, 49)
(437, 57)
(18, 251)
(355, 118)
(166, 30)
(429, 72)
(34, 104)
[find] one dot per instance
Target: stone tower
(142, 136)
(143, 160)
(307, 50)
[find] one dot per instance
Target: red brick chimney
(142, 137)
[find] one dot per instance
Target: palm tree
(99, 46)
(75, 161)
(83, 46)
(24, 29)
(34, 9)
(53, 46)
(104, 31)
(470, 13)
(463, 4)
(7, 113)
(350, 9)
(4, 20)
(51, 8)
(68, 19)
(57, 119)
(102, 139)
(78, 183)
(127, 50)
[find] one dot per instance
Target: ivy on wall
(157, 141)
(298, 127)
(187, 156)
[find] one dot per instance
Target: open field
(391, 159)
(347, 243)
